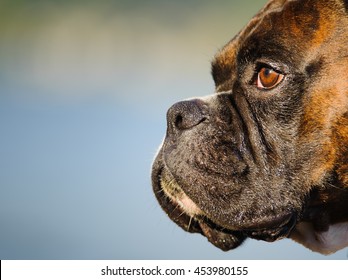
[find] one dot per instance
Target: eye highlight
(268, 78)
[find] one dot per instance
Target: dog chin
(187, 214)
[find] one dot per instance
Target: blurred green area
(84, 48)
(27, 14)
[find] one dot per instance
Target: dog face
(268, 149)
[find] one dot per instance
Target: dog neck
(327, 205)
(324, 224)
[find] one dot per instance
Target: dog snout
(185, 115)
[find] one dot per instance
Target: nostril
(186, 114)
(179, 122)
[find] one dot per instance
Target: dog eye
(267, 78)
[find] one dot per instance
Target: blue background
(84, 88)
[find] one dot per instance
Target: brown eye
(267, 78)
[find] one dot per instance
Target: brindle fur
(246, 162)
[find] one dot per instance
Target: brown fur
(266, 164)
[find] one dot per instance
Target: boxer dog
(266, 156)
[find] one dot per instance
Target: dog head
(253, 159)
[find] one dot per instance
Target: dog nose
(186, 114)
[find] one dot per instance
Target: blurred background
(84, 89)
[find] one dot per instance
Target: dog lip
(218, 236)
(174, 212)
(270, 222)
(274, 230)
(224, 239)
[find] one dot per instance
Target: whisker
(188, 226)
